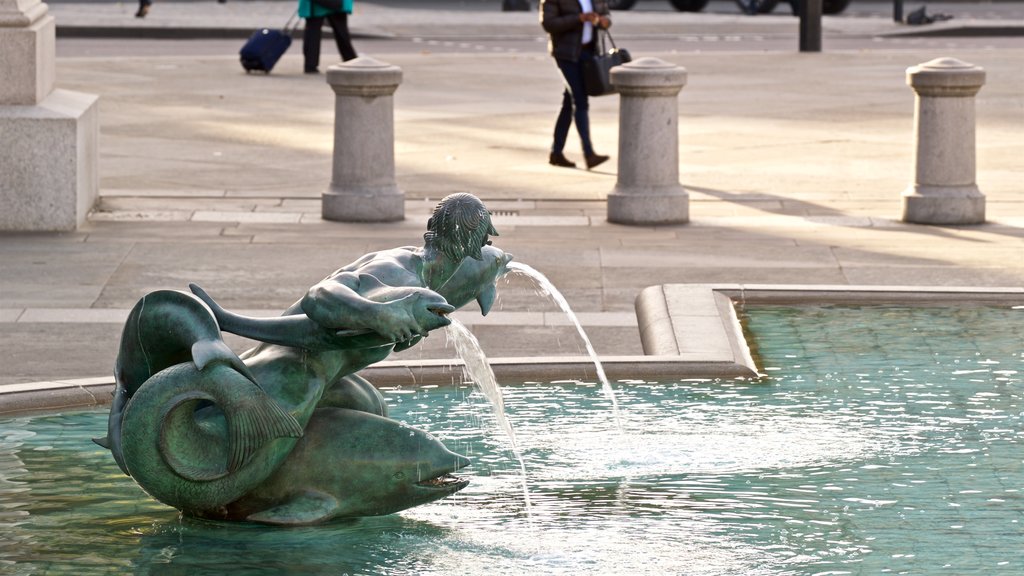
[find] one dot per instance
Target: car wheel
(834, 6)
(751, 7)
(689, 5)
(827, 6)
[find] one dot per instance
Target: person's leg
(562, 124)
(143, 8)
(582, 110)
(573, 73)
(339, 23)
(311, 44)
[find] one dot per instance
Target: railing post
(810, 25)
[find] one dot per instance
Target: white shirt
(588, 28)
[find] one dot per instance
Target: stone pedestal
(49, 139)
(27, 52)
(648, 189)
(48, 162)
(944, 189)
(363, 187)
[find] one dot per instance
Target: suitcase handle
(294, 25)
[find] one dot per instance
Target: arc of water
(478, 370)
(547, 286)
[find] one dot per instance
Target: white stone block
(27, 61)
(49, 162)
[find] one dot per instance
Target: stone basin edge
(688, 331)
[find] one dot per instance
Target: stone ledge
(693, 331)
(678, 320)
(92, 392)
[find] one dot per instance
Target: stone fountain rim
(666, 312)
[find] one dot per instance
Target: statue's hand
(396, 322)
(413, 315)
(406, 344)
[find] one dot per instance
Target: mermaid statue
(288, 432)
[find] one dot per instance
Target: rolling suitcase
(265, 47)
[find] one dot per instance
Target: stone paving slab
(794, 164)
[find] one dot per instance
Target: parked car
(746, 6)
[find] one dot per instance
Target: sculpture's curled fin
(252, 421)
(199, 439)
(310, 507)
(258, 420)
(206, 352)
(485, 299)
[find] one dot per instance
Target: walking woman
(572, 26)
(315, 12)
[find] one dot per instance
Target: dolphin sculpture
(299, 331)
(362, 465)
(477, 279)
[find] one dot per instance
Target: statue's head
(459, 227)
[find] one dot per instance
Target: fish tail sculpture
(199, 439)
(188, 416)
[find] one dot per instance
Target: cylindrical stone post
(647, 190)
(944, 190)
(363, 187)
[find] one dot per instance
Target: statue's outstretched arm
(350, 301)
(336, 303)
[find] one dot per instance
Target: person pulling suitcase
(315, 12)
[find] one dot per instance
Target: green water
(881, 440)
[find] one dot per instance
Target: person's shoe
(143, 10)
(311, 70)
(559, 159)
(595, 160)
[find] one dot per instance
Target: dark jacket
(561, 20)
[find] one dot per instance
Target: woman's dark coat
(561, 20)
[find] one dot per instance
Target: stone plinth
(49, 140)
(48, 162)
(363, 187)
(648, 189)
(944, 189)
(27, 52)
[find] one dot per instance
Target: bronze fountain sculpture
(287, 432)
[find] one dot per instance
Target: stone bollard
(363, 187)
(944, 190)
(648, 189)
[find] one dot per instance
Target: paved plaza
(794, 164)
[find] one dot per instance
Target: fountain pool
(878, 440)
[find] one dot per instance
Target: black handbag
(597, 71)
